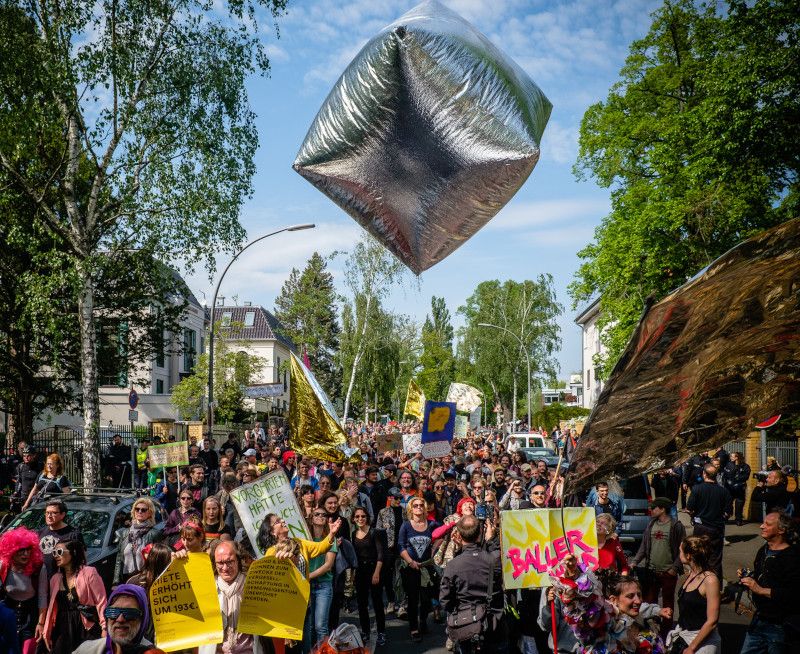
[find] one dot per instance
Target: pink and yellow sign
(535, 541)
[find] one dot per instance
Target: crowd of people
(413, 538)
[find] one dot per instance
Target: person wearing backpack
(471, 592)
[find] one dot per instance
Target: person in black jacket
(465, 584)
(773, 585)
(710, 506)
(772, 491)
(735, 476)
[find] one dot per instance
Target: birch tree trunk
(357, 359)
(91, 395)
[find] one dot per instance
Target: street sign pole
(763, 426)
(133, 402)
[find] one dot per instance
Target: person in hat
(26, 475)
(127, 618)
(658, 561)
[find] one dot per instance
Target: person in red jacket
(611, 555)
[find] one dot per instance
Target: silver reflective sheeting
(426, 136)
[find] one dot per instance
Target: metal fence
(784, 451)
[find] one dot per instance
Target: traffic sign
(133, 399)
(133, 416)
(769, 422)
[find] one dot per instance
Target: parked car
(98, 515)
(547, 453)
(527, 440)
(637, 511)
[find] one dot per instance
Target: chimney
(221, 301)
(248, 304)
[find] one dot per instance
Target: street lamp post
(527, 360)
(292, 228)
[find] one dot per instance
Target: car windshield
(634, 488)
(542, 452)
(92, 524)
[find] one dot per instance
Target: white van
(526, 439)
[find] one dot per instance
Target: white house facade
(592, 345)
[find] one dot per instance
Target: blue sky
(573, 49)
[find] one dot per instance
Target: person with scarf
(132, 540)
(23, 585)
(184, 513)
(230, 577)
(128, 618)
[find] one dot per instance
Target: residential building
(258, 333)
(570, 395)
(592, 346)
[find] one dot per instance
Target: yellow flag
(415, 401)
(315, 430)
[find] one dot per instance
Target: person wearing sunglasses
(184, 513)
(128, 619)
(131, 540)
(77, 601)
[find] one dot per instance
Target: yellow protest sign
(535, 540)
(184, 605)
(274, 600)
(415, 401)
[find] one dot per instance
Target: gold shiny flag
(314, 429)
(415, 401)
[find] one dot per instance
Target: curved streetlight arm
(291, 228)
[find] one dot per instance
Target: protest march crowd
(416, 538)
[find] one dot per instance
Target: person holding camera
(471, 592)
(771, 490)
(773, 584)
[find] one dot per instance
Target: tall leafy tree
(152, 136)
(524, 315)
(370, 273)
(699, 142)
(307, 310)
(437, 358)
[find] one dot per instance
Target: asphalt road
(744, 542)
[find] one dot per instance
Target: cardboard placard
(169, 454)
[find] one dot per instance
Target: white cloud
(276, 53)
(541, 215)
(560, 142)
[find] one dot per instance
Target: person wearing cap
(528, 480)
(26, 475)
(658, 560)
(390, 519)
(127, 617)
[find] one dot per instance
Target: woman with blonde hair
(610, 553)
(132, 540)
(51, 480)
(346, 507)
(214, 519)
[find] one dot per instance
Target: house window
(112, 353)
(159, 386)
(249, 318)
(189, 349)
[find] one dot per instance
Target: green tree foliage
(306, 308)
(370, 273)
(550, 415)
(144, 137)
(490, 357)
(234, 369)
(437, 359)
(699, 142)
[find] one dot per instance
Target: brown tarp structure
(705, 364)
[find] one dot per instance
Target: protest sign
(412, 443)
(467, 398)
(439, 421)
(415, 401)
(270, 493)
(274, 600)
(475, 418)
(460, 429)
(389, 441)
(436, 449)
(170, 454)
(534, 541)
(184, 605)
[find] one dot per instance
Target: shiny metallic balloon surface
(427, 134)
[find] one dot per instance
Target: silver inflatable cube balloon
(426, 136)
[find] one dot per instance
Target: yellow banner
(274, 600)
(415, 401)
(535, 540)
(313, 425)
(184, 605)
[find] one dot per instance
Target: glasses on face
(537, 493)
(278, 521)
(130, 614)
(185, 497)
(360, 516)
(228, 563)
(438, 487)
(318, 514)
(59, 551)
(52, 513)
(418, 505)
